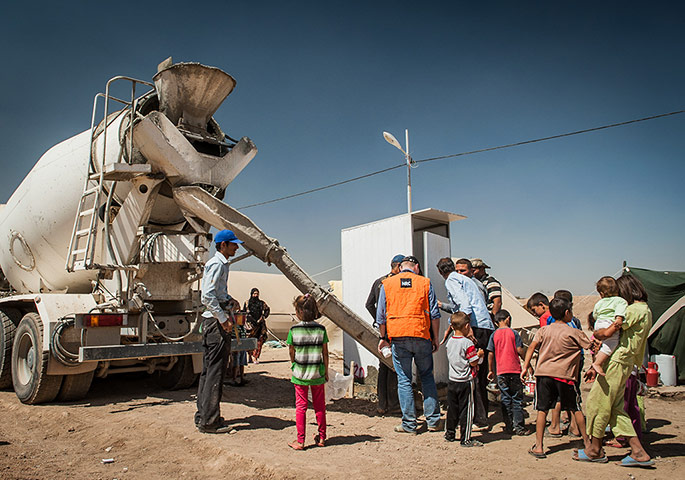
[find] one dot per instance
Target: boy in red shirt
(504, 349)
(538, 303)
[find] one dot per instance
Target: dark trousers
(482, 403)
(217, 346)
(387, 388)
(511, 390)
(631, 406)
(460, 396)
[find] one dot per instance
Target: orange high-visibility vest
(407, 308)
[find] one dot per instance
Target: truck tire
(9, 318)
(75, 387)
(31, 382)
(180, 376)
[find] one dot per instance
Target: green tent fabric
(664, 289)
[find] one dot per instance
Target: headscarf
(255, 306)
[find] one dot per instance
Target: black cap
(411, 259)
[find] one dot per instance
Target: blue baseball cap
(397, 259)
(226, 236)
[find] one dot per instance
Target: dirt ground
(149, 434)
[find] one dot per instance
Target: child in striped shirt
(308, 347)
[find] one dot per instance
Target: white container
(667, 370)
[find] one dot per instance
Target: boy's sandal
(319, 442)
(549, 434)
(295, 445)
(614, 444)
(536, 454)
(629, 461)
(581, 456)
(601, 452)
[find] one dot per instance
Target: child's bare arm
(604, 333)
(325, 358)
(491, 366)
(526, 362)
(521, 351)
(291, 350)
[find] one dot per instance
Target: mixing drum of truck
(105, 239)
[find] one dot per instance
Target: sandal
(319, 442)
(581, 456)
(629, 461)
(536, 454)
(295, 445)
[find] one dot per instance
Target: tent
(666, 292)
(520, 317)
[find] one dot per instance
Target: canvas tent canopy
(666, 300)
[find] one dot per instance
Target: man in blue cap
(216, 326)
(386, 388)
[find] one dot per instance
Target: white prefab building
(366, 254)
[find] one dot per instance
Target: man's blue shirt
(465, 296)
(215, 287)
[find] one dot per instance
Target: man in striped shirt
(493, 299)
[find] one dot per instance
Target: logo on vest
(405, 282)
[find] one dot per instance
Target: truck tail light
(103, 319)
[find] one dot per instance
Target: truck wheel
(75, 387)
(9, 319)
(29, 363)
(180, 376)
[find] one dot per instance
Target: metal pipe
(408, 158)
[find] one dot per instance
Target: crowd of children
(560, 344)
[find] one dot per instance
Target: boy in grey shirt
(463, 361)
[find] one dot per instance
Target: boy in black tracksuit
(463, 360)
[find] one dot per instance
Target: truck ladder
(81, 253)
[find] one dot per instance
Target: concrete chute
(196, 202)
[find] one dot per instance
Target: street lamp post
(390, 138)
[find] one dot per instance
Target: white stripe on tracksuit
(469, 412)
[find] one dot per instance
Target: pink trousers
(319, 402)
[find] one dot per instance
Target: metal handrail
(131, 105)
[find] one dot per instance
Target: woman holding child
(606, 398)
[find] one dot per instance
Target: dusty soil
(150, 434)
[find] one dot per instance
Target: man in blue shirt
(215, 337)
(465, 296)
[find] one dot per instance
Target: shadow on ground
(259, 422)
(351, 439)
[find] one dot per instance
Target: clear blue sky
(317, 83)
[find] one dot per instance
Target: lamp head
(390, 138)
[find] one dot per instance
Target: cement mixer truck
(102, 245)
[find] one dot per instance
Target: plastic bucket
(667, 369)
(239, 318)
